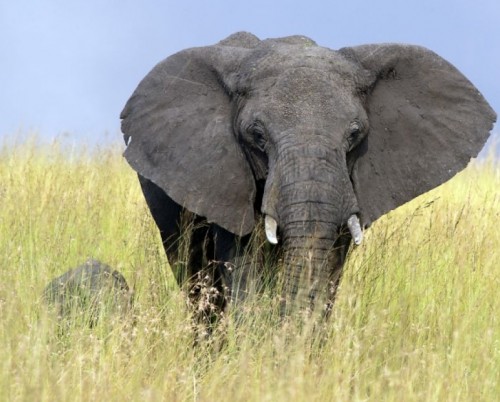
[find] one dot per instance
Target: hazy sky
(68, 66)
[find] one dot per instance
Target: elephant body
(316, 143)
(88, 289)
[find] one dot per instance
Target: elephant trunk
(316, 203)
(312, 272)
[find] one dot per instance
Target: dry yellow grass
(417, 315)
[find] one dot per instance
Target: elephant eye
(354, 132)
(258, 135)
(355, 127)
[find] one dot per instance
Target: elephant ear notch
(178, 127)
(426, 122)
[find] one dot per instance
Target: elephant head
(320, 142)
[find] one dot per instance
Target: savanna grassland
(417, 316)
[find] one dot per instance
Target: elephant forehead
(278, 60)
(304, 93)
(290, 85)
(313, 82)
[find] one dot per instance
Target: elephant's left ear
(426, 122)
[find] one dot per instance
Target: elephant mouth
(271, 228)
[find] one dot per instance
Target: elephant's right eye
(258, 135)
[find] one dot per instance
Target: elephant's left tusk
(271, 227)
(355, 229)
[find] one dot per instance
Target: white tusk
(129, 140)
(271, 227)
(355, 229)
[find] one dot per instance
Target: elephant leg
(209, 262)
(185, 237)
(222, 252)
(188, 242)
(167, 215)
(236, 266)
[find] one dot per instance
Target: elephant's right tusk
(271, 227)
(355, 229)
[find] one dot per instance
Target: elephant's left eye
(354, 132)
(355, 127)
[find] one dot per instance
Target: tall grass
(416, 318)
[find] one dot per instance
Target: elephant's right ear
(178, 127)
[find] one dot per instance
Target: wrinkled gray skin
(87, 289)
(303, 134)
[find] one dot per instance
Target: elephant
(308, 143)
(88, 289)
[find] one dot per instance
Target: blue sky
(68, 66)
